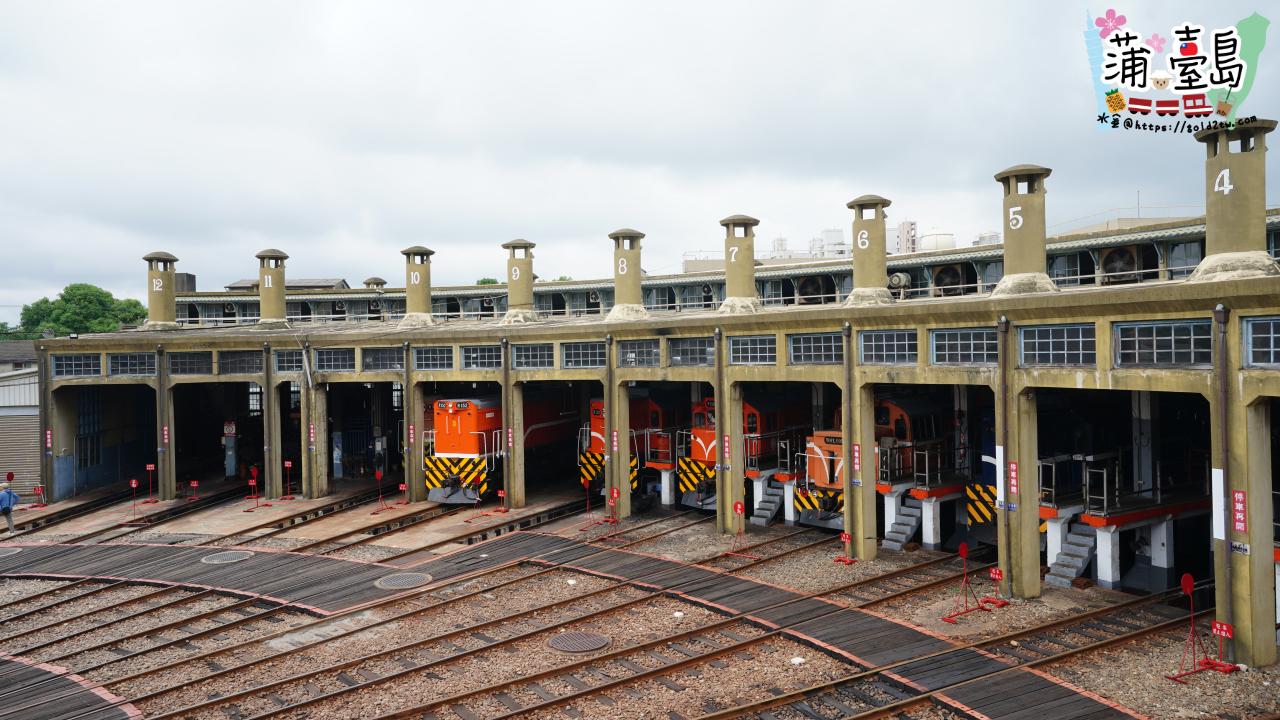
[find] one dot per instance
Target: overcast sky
(343, 132)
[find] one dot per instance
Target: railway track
(23, 528)
(886, 691)
(337, 683)
(125, 528)
(423, 553)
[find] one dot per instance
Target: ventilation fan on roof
(948, 280)
(706, 288)
(593, 296)
(1119, 264)
(899, 280)
(228, 307)
(340, 306)
(375, 304)
(487, 302)
(810, 290)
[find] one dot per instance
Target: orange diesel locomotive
(765, 425)
(464, 458)
(651, 430)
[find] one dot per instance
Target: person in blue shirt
(8, 501)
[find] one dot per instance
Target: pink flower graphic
(1109, 24)
(1155, 41)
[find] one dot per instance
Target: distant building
(20, 428)
(988, 238)
(908, 237)
(17, 355)
(935, 240)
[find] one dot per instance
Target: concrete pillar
(668, 485)
(1143, 439)
(1107, 560)
(1162, 552)
(520, 279)
(166, 465)
(271, 287)
(789, 512)
(869, 275)
(931, 523)
(1024, 231)
(513, 465)
(272, 455)
(306, 454)
(620, 422)
(1024, 515)
(862, 509)
(1235, 203)
(734, 486)
(414, 409)
(628, 297)
(162, 309)
(417, 287)
(1056, 536)
(320, 475)
(740, 265)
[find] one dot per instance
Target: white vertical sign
(999, 476)
(1219, 530)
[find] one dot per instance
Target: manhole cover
(228, 556)
(402, 581)
(578, 642)
(7, 551)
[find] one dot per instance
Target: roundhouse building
(1098, 403)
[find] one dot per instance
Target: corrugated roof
(17, 351)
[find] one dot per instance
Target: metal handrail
(1048, 475)
(933, 460)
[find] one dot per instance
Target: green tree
(80, 308)
(562, 278)
(487, 281)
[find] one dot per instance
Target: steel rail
(740, 617)
(799, 695)
(473, 532)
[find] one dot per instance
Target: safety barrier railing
(1057, 487)
(935, 463)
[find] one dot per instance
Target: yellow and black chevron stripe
(590, 468)
(690, 473)
(441, 472)
(980, 503)
(635, 473)
(820, 499)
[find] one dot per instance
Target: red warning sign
(165, 432)
(151, 467)
(1224, 630)
(996, 574)
(48, 439)
(739, 508)
(253, 482)
(846, 537)
(311, 433)
(726, 449)
(857, 457)
(194, 483)
(410, 433)
(1239, 511)
(1013, 477)
(511, 437)
(288, 464)
(133, 484)
(403, 487)
(614, 493)
(612, 502)
(502, 493)
(253, 472)
(615, 441)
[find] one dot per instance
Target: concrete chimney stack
(417, 286)
(1235, 183)
(628, 297)
(1024, 231)
(519, 282)
(162, 313)
(740, 265)
(869, 276)
(271, 287)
